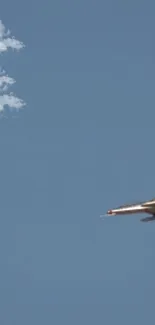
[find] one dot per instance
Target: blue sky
(84, 143)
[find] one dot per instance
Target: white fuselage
(132, 210)
(139, 207)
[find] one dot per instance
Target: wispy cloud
(6, 98)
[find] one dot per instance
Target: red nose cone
(109, 211)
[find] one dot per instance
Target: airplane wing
(147, 219)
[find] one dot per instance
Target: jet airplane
(140, 207)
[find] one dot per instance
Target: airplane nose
(109, 212)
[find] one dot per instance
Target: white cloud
(5, 81)
(8, 99)
(8, 42)
(11, 101)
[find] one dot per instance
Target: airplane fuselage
(129, 210)
(143, 207)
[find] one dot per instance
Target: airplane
(140, 207)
